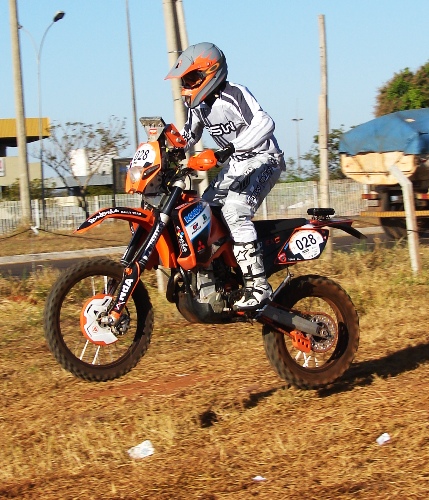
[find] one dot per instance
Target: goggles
(193, 79)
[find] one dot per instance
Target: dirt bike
(98, 316)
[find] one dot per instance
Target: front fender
(145, 218)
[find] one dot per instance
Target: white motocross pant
(240, 187)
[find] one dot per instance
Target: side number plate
(306, 243)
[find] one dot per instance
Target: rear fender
(343, 224)
(164, 249)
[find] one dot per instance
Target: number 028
(306, 242)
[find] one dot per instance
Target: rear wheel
(74, 329)
(309, 362)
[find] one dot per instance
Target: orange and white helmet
(201, 68)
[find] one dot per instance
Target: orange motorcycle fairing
(201, 237)
(164, 250)
(144, 171)
(144, 167)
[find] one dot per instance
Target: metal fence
(286, 200)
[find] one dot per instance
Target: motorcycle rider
(248, 150)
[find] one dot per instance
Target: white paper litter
(259, 478)
(142, 450)
(384, 438)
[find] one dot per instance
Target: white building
(82, 166)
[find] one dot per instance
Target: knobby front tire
(63, 334)
(324, 301)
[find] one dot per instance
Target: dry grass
(214, 410)
(24, 241)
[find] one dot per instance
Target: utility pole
(298, 154)
(324, 125)
(176, 42)
(24, 178)
(133, 93)
(323, 117)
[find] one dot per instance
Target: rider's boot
(257, 291)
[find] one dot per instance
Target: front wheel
(74, 328)
(326, 357)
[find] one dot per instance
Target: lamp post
(38, 51)
(21, 139)
(133, 93)
(297, 120)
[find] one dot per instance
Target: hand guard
(223, 154)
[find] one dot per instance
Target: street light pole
(24, 178)
(297, 120)
(133, 92)
(38, 51)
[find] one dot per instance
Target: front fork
(136, 264)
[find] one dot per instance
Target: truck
(367, 153)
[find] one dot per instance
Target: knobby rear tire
(62, 328)
(319, 292)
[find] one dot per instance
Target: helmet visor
(193, 79)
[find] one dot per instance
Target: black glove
(223, 154)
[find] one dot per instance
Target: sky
(271, 46)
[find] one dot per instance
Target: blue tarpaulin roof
(406, 131)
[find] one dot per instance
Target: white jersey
(235, 116)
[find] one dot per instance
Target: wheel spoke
(96, 355)
(321, 347)
(83, 350)
(93, 286)
(307, 360)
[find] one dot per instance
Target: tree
(405, 90)
(99, 142)
(294, 172)
(313, 156)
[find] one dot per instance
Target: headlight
(135, 174)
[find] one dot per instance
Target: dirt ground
(222, 424)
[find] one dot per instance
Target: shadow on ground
(363, 373)
(360, 374)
